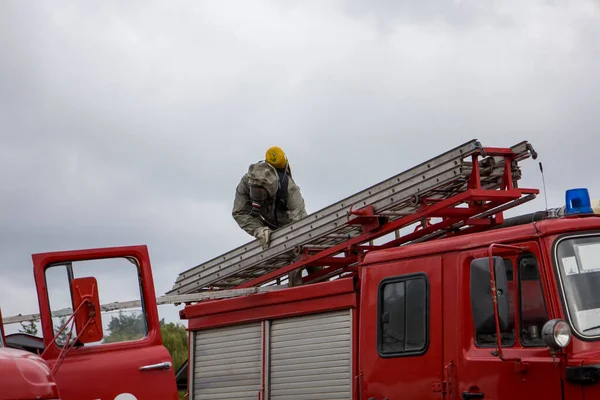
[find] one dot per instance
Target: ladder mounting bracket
(366, 218)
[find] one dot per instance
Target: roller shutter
(227, 363)
(310, 357)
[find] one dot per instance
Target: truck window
(531, 305)
(577, 259)
(118, 281)
(531, 300)
(403, 316)
(488, 339)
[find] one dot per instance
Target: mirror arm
(68, 346)
(498, 351)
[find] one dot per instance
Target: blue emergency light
(577, 201)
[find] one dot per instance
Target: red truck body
(346, 357)
(23, 375)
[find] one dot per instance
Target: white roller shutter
(227, 363)
(310, 357)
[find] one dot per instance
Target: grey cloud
(390, 13)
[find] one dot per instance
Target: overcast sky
(132, 122)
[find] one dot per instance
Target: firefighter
(267, 198)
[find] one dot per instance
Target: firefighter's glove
(264, 235)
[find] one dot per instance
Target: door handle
(162, 366)
(472, 395)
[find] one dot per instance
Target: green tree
(174, 338)
(29, 328)
(62, 337)
(126, 327)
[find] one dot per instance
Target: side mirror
(482, 304)
(556, 334)
(88, 320)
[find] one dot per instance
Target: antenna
(544, 183)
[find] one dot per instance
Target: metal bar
(335, 261)
(70, 277)
(172, 299)
(485, 214)
(453, 212)
(325, 273)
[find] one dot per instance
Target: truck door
(528, 369)
(400, 339)
(128, 361)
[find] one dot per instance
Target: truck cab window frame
(530, 324)
(530, 327)
(401, 299)
(578, 276)
(132, 323)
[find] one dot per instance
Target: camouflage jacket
(277, 216)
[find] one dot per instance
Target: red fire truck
(424, 291)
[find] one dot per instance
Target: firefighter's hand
(264, 235)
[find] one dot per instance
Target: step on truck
(425, 291)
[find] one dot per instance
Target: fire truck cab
(429, 311)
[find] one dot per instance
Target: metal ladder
(335, 236)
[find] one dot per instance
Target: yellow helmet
(276, 157)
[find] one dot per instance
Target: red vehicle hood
(25, 376)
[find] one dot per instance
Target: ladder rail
(445, 168)
(450, 174)
(469, 147)
(301, 237)
(162, 300)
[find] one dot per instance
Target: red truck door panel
(130, 360)
(528, 370)
(401, 330)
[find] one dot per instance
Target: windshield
(578, 260)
